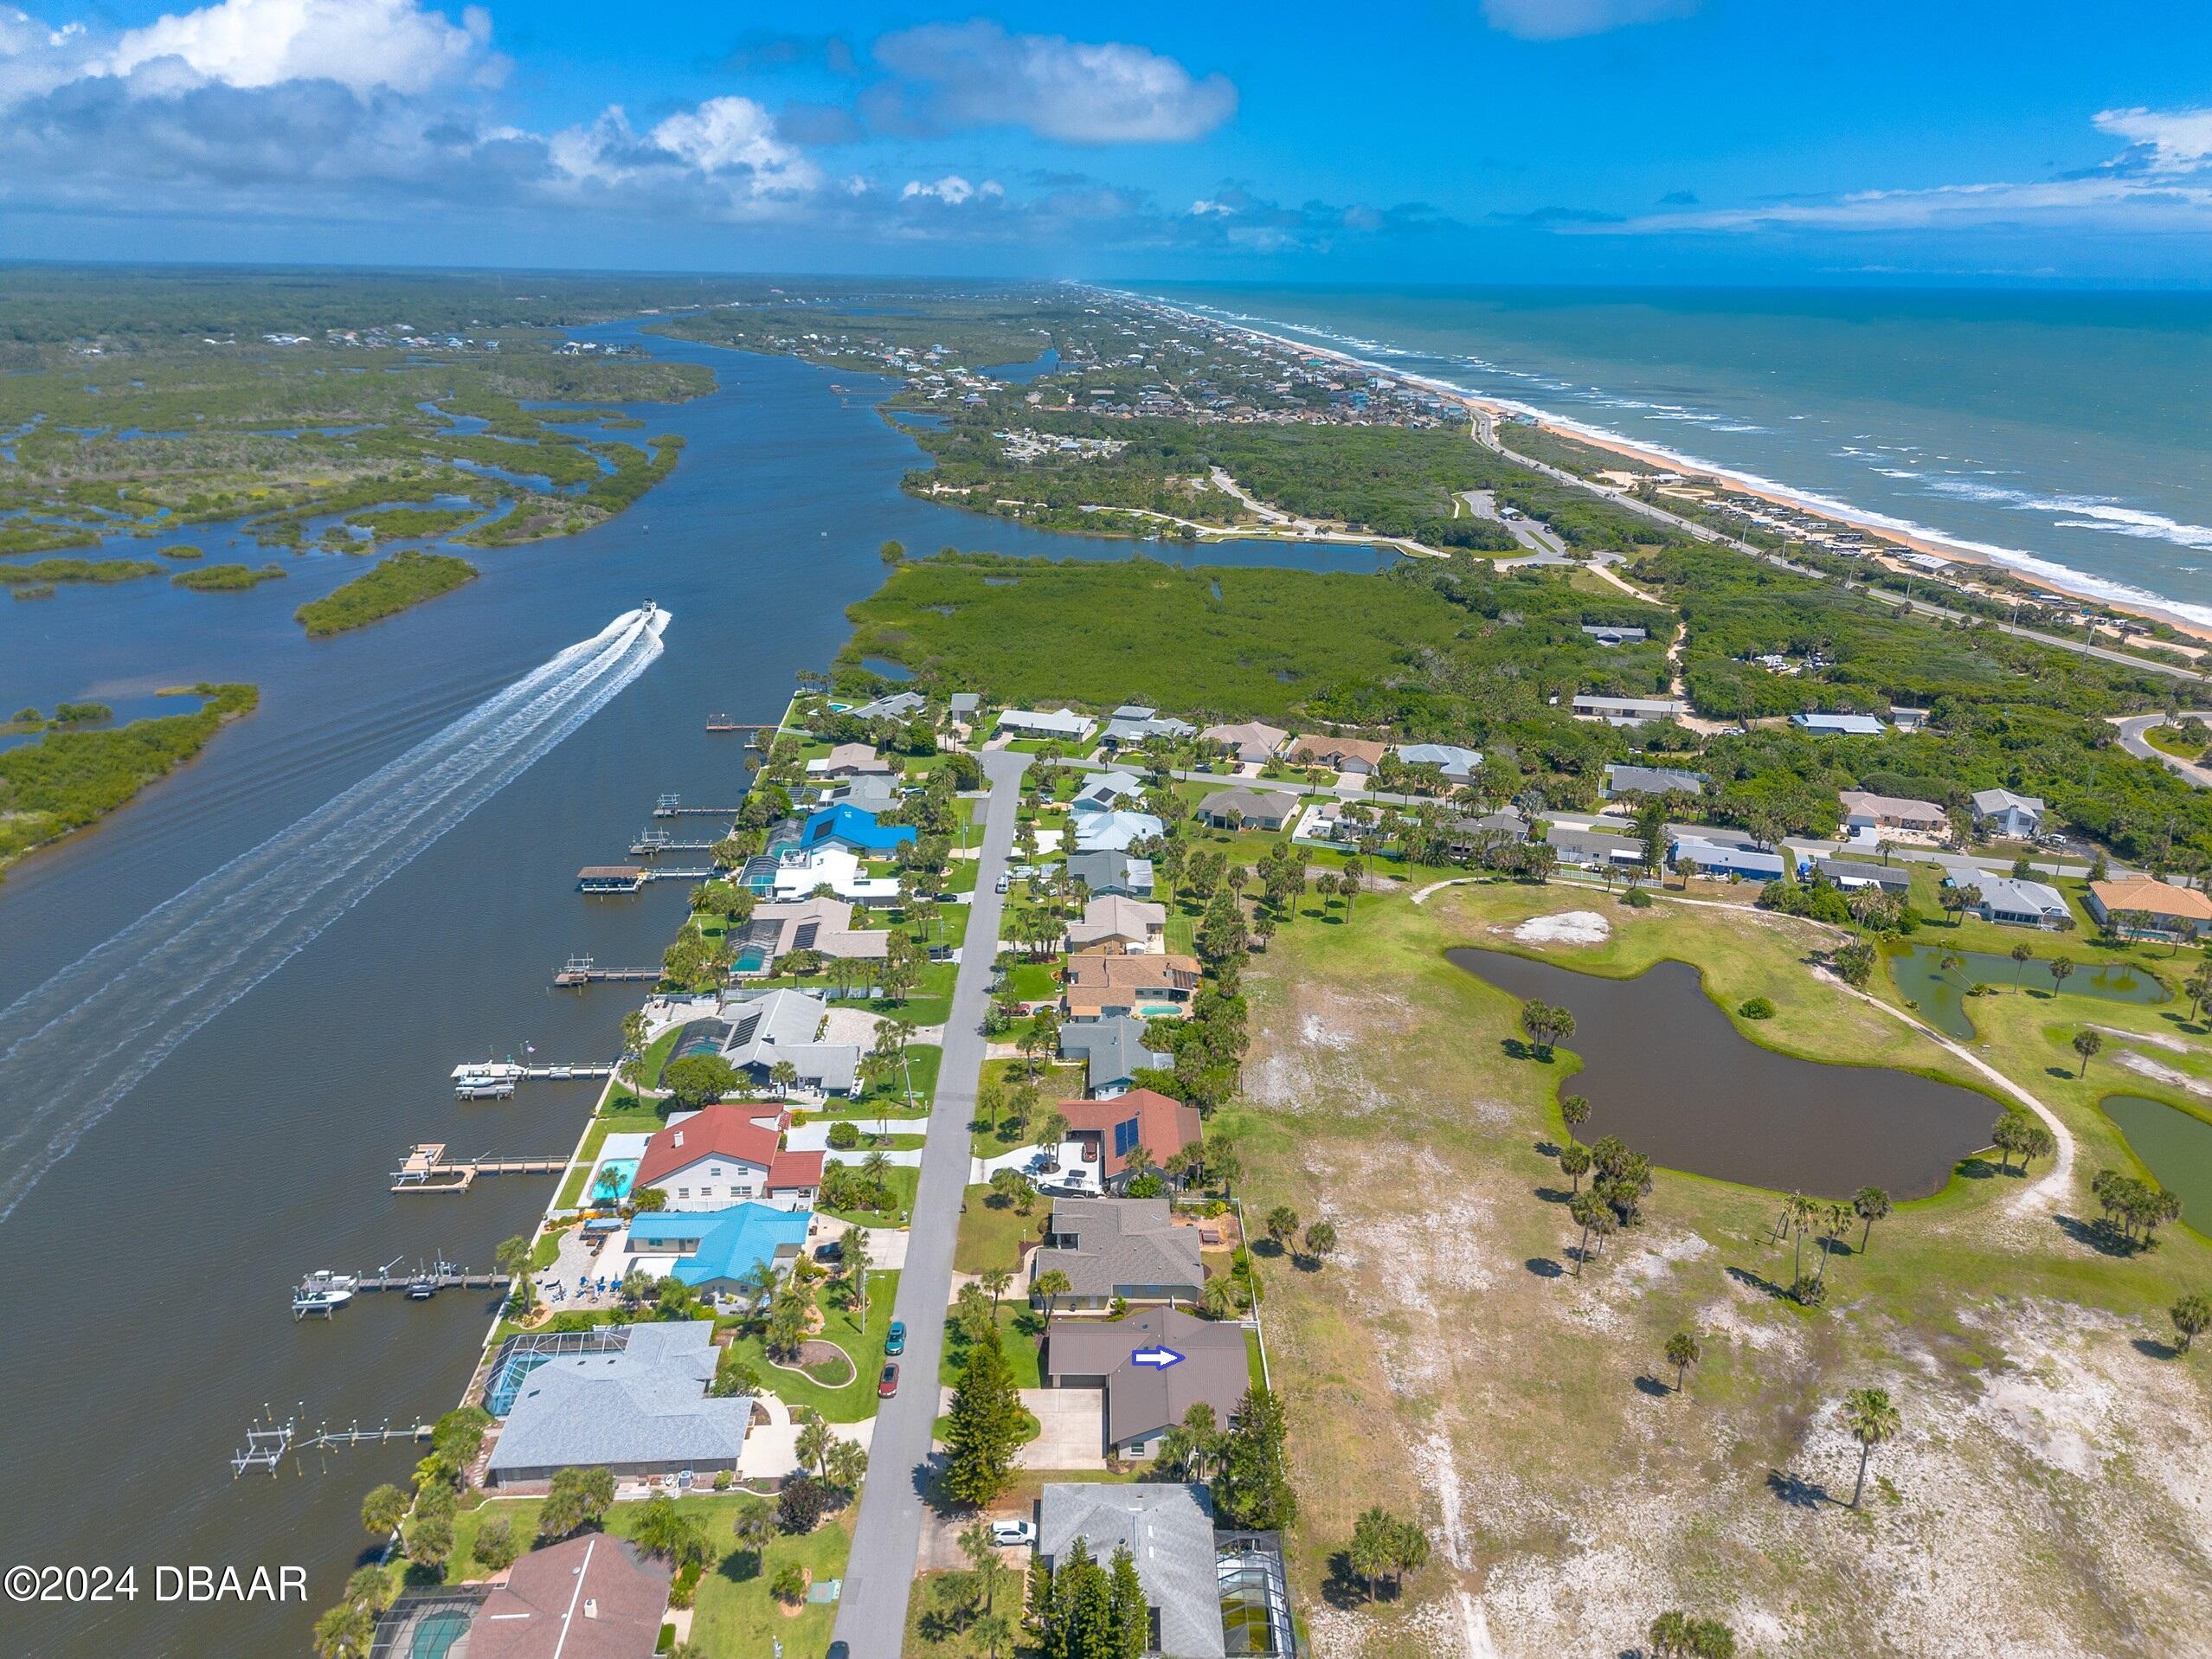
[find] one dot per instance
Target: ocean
(2066, 435)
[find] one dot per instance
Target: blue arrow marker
(1158, 1359)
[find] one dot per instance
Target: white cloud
(393, 44)
(736, 135)
(1204, 206)
(1559, 20)
(952, 190)
(2173, 141)
(951, 76)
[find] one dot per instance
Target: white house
(1457, 763)
(2023, 903)
(1115, 831)
(800, 874)
(1850, 725)
(1718, 858)
(1051, 723)
(2000, 812)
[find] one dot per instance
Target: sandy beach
(1903, 542)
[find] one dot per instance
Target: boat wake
(74, 1046)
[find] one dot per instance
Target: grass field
(2046, 1491)
(1021, 1331)
(734, 1613)
(992, 1231)
(851, 1401)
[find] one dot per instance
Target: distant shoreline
(1940, 546)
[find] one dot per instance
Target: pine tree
(984, 1428)
(1252, 1487)
(1132, 1615)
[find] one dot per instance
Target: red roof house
(1143, 1117)
(724, 1155)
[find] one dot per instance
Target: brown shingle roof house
(1144, 1401)
(1343, 754)
(594, 1597)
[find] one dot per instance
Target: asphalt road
(2133, 740)
(871, 1612)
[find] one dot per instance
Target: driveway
(1074, 1422)
(886, 1538)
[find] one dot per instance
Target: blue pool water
(625, 1169)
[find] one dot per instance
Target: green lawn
(923, 1060)
(901, 1179)
(734, 1614)
(852, 1402)
(1021, 1330)
(1033, 981)
(656, 1055)
(991, 1233)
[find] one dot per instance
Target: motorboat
(323, 1292)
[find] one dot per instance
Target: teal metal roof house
(850, 826)
(720, 1247)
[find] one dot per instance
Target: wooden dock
(724, 722)
(654, 842)
(580, 970)
(475, 1078)
(672, 806)
(449, 1279)
(427, 1169)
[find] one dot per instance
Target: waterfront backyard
(2045, 1488)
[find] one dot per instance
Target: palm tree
(783, 1074)
(2199, 987)
(994, 1631)
(2191, 1315)
(1871, 1205)
(856, 1268)
(344, 1632)
(1969, 898)
(995, 1280)
(1682, 1352)
(512, 1258)
(1871, 1419)
(813, 1445)
(1575, 1163)
(1051, 1285)
(1798, 1214)
(1836, 1227)
(754, 1528)
(2086, 1044)
(2061, 967)
(1594, 1215)
(2022, 954)
(1574, 1111)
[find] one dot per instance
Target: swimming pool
(751, 960)
(623, 1172)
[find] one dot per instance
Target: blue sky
(1433, 140)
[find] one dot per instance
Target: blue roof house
(850, 826)
(719, 1248)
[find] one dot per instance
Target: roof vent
(591, 1607)
(679, 1138)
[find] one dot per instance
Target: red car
(887, 1385)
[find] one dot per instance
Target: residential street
(2133, 740)
(872, 1613)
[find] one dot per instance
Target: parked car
(1003, 884)
(887, 1385)
(1014, 1531)
(832, 1252)
(894, 1338)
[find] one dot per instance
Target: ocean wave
(2099, 513)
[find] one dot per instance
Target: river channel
(144, 1290)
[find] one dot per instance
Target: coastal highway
(2132, 739)
(1484, 432)
(871, 1612)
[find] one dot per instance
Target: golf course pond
(1666, 1071)
(2176, 1144)
(1940, 992)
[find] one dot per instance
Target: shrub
(1636, 900)
(789, 1585)
(844, 1136)
(722, 1480)
(1757, 1008)
(799, 1507)
(1810, 1291)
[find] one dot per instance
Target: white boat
(323, 1292)
(484, 1087)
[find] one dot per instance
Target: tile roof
(1163, 1125)
(725, 1131)
(2160, 898)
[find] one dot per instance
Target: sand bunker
(1567, 928)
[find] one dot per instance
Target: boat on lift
(323, 1292)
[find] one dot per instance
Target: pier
(268, 1442)
(582, 970)
(650, 843)
(496, 1079)
(629, 877)
(427, 1169)
(672, 806)
(724, 722)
